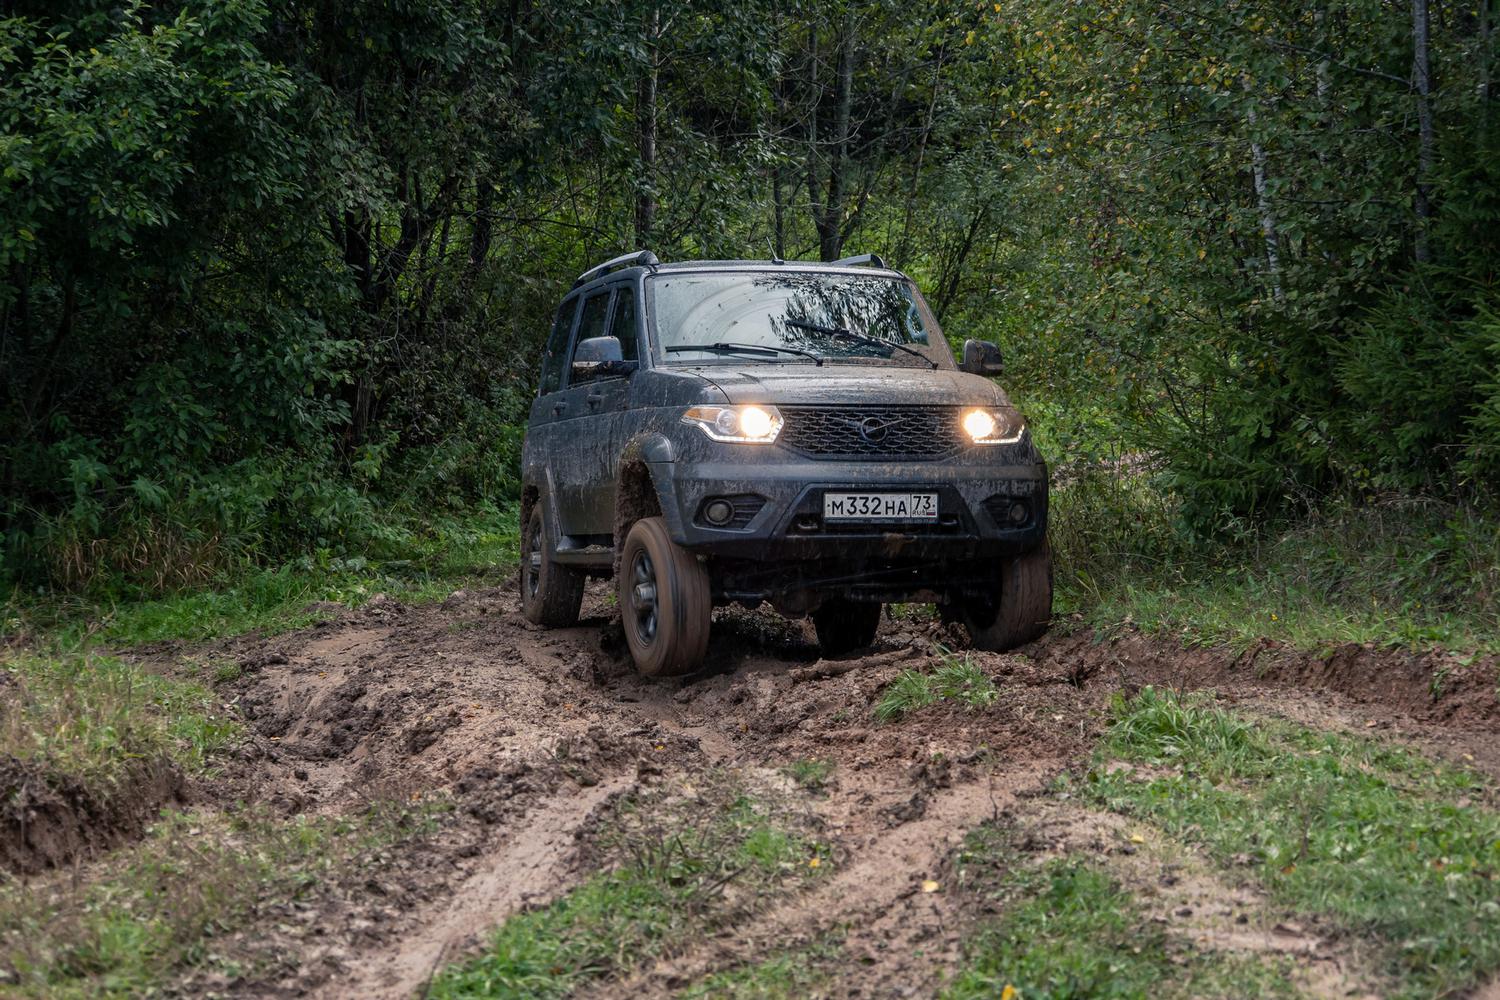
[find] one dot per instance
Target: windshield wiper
(840, 333)
(728, 347)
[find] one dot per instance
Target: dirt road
(532, 734)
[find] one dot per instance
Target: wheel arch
(636, 497)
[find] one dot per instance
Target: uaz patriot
(713, 432)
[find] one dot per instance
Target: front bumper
(974, 511)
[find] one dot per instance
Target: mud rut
(535, 732)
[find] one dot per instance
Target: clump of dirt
(49, 819)
(1430, 686)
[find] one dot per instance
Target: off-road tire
(1023, 604)
(551, 594)
(667, 629)
(844, 626)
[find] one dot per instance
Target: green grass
(956, 679)
(88, 717)
(788, 975)
(415, 568)
(683, 869)
(157, 910)
(1067, 930)
(810, 772)
(1411, 574)
(1376, 839)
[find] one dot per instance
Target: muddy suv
(713, 432)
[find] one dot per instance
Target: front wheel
(844, 626)
(551, 594)
(665, 601)
(1021, 609)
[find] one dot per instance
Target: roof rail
(865, 258)
(635, 259)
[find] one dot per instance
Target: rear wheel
(665, 601)
(1021, 609)
(844, 626)
(551, 594)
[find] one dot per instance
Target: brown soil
(1444, 702)
(531, 733)
(48, 819)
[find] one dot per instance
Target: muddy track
(532, 733)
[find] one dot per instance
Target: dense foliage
(274, 274)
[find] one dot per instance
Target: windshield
(793, 317)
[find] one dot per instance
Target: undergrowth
(413, 564)
(87, 717)
(1392, 572)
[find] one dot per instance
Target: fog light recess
(718, 512)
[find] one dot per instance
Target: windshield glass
(785, 317)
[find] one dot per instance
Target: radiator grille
(862, 432)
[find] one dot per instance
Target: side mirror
(599, 357)
(981, 358)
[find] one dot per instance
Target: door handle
(558, 408)
(594, 398)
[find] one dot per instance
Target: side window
(595, 312)
(556, 353)
(622, 325)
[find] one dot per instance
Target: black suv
(712, 432)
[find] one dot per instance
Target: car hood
(882, 385)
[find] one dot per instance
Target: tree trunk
(778, 209)
(899, 257)
(1422, 80)
(830, 220)
(1268, 227)
(1486, 69)
(646, 124)
(481, 232)
(41, 376)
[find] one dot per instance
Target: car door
(609, 400)
(542, 433)
(581, 460)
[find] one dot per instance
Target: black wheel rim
(533, 580)
(642, 598)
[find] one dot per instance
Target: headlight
(994, 425)
(744, 424)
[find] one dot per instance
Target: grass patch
(195, 877)
(956, 679)
(681, 868)
(1068, 930)
(412, 568)
(790, 975)
(811, 773)
(1412, 574)
(87, 716)
(1377, 839)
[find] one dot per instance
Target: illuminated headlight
(994, 425)
(745, 424)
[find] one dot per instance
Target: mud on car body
(712, 432)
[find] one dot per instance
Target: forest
(274, 276)
(276, 718)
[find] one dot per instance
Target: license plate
(880, 507)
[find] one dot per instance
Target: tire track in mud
(530, 733)
(529, 867)
(559, 716)
(897, 939)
